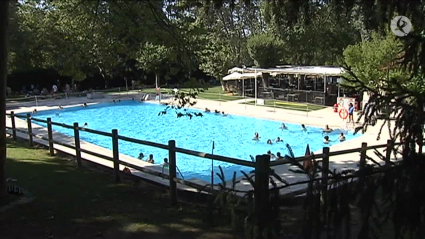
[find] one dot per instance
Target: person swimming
(217, 112)
(60, 107)
(256, 136)
(283, 126)
(326, 140)
(119, 100)
(272, 156)
(279, 140)
(341, 137)
(303, 128)
(269, 141)
(85, 124)
(150, 160)
(34, 111)
(224, 114)
(85, 105)
(141, 156)
(207, 110)
(114, 101)
(132, 99)
(327, 129)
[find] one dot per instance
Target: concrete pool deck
(317, 118)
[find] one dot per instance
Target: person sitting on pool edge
(327, 129)
(341, 137)
(303, 128)
(279, 140)
(326, 140)
(150, 160)
(272, 156)
(269, 141)
(207, 110)
(165, 163)
(283, 126)
(141, 156)
(278, 156)
(256, 136)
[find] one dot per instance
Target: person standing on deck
(350, 113)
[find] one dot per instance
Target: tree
(4, 21)
(215, 58)
(266, 50)
(375, 61)
(151, 58)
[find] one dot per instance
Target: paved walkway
(317, 118)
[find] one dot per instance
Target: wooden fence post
(388, 152)
(261, 192)
(77, 145)
(29, 129)
(116, 155)
(172, 171)
(325, 174)
(362, 165)
(50, 135)
(12, 118)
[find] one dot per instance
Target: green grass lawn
(289, 105)
(71, 203)
(212, 93)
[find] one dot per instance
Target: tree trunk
(4, 21)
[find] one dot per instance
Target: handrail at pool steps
(262, 163)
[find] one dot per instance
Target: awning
(233, 76)
(293, 70)
(239, 76)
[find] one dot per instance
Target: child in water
(256, 136)
(283, 126)
(326, 140)
(341, 137)
(150, 160)
(327, 129)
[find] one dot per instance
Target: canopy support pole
(243, 88)
(255, 87)
(324, 84)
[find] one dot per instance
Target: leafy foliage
(265, 49)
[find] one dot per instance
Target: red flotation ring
(343, 113)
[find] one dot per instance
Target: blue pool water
(232, 134)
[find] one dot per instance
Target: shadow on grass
(72, 203)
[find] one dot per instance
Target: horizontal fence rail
(262, 164)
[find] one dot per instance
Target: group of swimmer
(152, 161)
(215, 111)
(326, 139)
(269, 141)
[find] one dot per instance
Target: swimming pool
(232, 135)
